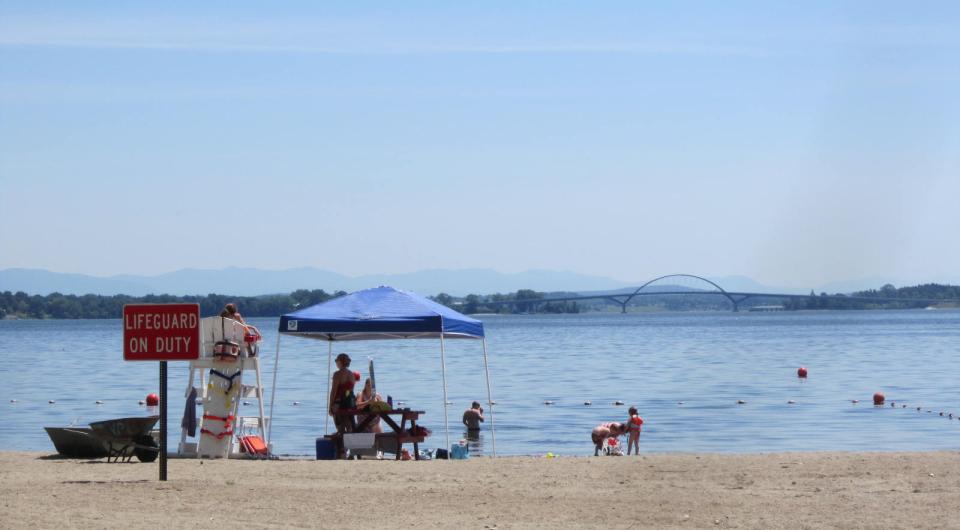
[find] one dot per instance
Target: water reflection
(474, 440)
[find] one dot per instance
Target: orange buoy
(153, 400)
(802, 372)
(879, 398)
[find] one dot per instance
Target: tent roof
(379, 313)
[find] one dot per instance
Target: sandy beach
(793, 490)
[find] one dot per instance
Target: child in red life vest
(633, 424)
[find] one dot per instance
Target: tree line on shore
(886, 298)
(61, 306)
(56, 305)
(68, 306)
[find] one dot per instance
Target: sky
(796, 143)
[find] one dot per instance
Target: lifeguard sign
(161, 332)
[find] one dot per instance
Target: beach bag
(223, 349)
(459, 452)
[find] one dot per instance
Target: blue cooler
(459, 452)
(325, 449)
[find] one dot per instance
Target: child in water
(633, 424)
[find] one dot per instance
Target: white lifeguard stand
(223, 393)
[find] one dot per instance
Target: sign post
(161, 332)
(163, 420)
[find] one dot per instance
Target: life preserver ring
(251, 334)
(251, 339)
(226, 350)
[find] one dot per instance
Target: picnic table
(400, 433)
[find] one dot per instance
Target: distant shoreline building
(767, 308)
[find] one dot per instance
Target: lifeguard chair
(229, 350)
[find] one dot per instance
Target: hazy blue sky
(796, 143)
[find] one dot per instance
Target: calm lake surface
(707, 361)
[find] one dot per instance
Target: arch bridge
(707, 287)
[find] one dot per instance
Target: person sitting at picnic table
(606, 430)
(341, 394)
(366, 397)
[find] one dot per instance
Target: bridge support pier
(623, 303)
(736, 301)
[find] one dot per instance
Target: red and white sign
(161, 332)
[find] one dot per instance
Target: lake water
(655, 361)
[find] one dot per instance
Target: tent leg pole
(273, 390)
(443, 371)
(326, 417)
(493, 427)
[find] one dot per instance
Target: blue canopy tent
(384, 313)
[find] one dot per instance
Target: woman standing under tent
(341, 394)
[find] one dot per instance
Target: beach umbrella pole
(493, 427)
(273, 391)
(443, 371)
(326, 416)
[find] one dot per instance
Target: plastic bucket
(325, 449)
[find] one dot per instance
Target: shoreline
(662, 490)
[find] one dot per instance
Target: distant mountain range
(253, 282)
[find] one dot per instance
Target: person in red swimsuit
(341, 394)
